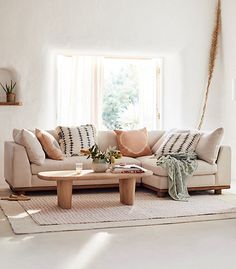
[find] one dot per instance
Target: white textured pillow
(160, 141)
(178, 142)
(30, 142)
(209, 145)
(73, 139)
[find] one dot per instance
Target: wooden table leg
(127, 191)
(64, 193)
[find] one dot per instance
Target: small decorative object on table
(78, 167)
(10, 95)
(101, 160)
(128, 168)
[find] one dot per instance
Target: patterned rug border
(22, 223)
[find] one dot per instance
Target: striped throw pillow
(73, 139)
(178, 143)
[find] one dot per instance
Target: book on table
(128, 168)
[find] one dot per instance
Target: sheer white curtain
(79, 83)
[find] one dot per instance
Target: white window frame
(159, 82)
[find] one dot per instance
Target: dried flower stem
(212, 60)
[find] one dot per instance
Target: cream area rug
(102, 209)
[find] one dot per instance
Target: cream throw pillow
(209, 145)
(49, 144)
(30, 142)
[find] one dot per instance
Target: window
(112, 93)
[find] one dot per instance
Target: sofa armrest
(17, 170)
(223, 175)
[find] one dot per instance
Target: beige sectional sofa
(21, 175)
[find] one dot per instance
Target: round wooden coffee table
(64, 179)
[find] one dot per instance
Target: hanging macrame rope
(212, 59)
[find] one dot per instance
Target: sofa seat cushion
(203, 168)
(144, 158)
(69, 164)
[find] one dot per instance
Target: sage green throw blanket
(179, 166)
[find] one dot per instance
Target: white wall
(33, 31)
(229, 72)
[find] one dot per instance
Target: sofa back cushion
(106, 139)
(53, 133)
(154, 136)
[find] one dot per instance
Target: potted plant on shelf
(101, 160)
(9, 88)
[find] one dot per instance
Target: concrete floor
(193, 245)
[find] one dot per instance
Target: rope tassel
(212, 60)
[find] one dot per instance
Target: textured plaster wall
(32, 32)
(228, 73)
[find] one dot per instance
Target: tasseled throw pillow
(73, 139)
(178, 143)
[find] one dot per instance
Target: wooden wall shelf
(10, 103)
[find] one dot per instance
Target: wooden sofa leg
(218, 191)
(161, 194)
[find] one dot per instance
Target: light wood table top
(88, 174)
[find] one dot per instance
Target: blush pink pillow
(133, 143)
(49, 144)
